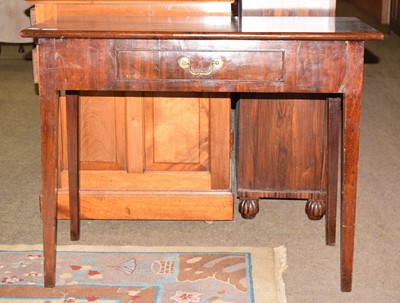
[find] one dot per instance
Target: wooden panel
(134, 65)
(385, 13)
(305, 66)
(151, 206)
(157, 141)
(282, 144)
(395, 16)
(140, 8)
(170, 145)
(46, 10)
(178, 127)
(378, 9)
(281, 194)
(254, 65)
(288, 8)
(220, 142)
(121, 1)
(135, 132)
(177, 132)
(165, 180)
(102, 133)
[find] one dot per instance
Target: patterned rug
(145, 275)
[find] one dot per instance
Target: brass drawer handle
(185, 63)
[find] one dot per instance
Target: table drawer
(260, 65)
(200, 65)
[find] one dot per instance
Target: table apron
(196, 65)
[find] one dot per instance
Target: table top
(245, 28)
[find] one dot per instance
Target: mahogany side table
(201, 54)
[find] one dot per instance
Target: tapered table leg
(334, 119)
(350, 147)
(49, 111)
(49, 125)
(72, 99)
(49, 143)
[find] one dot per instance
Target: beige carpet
(145, 274)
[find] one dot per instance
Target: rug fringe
(280, 267)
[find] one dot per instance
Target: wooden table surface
(214, 27)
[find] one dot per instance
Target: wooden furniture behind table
(146, 155)
(395, 16)
(289, 143)
(144, 60)
(378, 9)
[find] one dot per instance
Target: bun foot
(315, 209)
(249, 208)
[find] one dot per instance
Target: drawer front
(260, 65)
(201, 65)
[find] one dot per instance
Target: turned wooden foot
(315, 209)
(249, 208)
